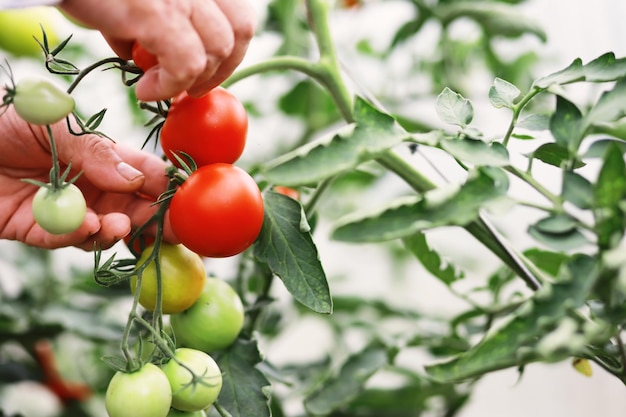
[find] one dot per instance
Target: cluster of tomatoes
(206, 315)
(217, 211)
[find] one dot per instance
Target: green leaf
(477, 152)
(453, 205)
(430, 259)
(565, 241)
(610, 107)
(565, 124)
(534, 332)
(609, 192)
(286, 245)
(373, 133)
(556, 224)
(577, 190)
(496, 19)
(555, 155)
(599, 147)
(503, 94)
(547, 261)
(454, 109)
(535, 122)
(602, 69)
(339, 390)
(309, 101)
(244, 388)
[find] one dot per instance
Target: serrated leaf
(458, 206)
(286, 245)
(602, 69)
(477, 152)
(244, 387)
(454, 109)
(518, 341)
(503, 94)
(344, 387)
(431, 260)
(372, 134)
(577, 190)
(496, 19)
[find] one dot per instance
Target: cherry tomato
(142, 58)
(143, 393)
(187, 395)
(218, 211)
(210, 129)
(18, 26)
(213, 322)
(59, 211)
(182, 278)
(289, 192)
(41, 102)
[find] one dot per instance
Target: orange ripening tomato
(210, 129)
(288, 191)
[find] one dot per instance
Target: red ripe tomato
(143, 59)
(218, 211)
(210, 129)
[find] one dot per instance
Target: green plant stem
(56, 168)
(83, 73)
(529, 179)
(517, 111)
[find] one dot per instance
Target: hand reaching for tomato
(119, 184)
(198, 43)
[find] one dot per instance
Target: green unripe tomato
(213, 322)
(199, 394)
(59, 211)
(18, 26)
(41, 102)
(143, 393)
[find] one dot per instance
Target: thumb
(96, 157)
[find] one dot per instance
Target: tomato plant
(59, 211)
(195, 378)
(40, 101)
(213, 322)
(182, 278)
(210, 129)
(218, 211)
(143, 393)
(142, 58)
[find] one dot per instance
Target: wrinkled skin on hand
(119, 183)
(198, 43)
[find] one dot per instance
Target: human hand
(119, 184)
(198, 43)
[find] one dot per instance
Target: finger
(242, 20)
(95, 156)
(114, 226)
(152, 167)
(38, 237)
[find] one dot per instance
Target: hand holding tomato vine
(116, 181)
(198, 44)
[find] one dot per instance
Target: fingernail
(128, 171)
